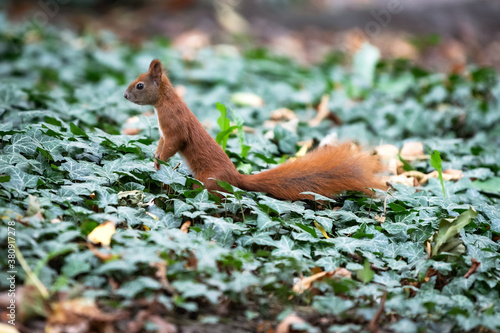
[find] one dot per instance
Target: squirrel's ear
(156, 70)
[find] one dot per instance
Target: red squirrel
(327, 170)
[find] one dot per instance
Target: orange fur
(327, 170)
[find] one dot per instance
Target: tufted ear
(156, 71)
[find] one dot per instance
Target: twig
(373, 326)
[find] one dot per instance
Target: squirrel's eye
(140, 86)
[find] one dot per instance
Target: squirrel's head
(145, 90)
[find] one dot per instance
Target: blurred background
(442, 35)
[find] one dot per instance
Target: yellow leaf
(320, 228)
(152, 215)
(102, 234)
(305, 146)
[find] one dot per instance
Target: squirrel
(327, 170)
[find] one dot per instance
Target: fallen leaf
(447, 239)
(33, 206)
(185, 226)
(323, 111)
(449, 174)
(78, 310)
(415, 174)
(282, 114)
(162, 326)
(304, 147)
(161, 274)
(387, 151)
(285, 325)
(131, 131)
(102, 234)
(401, 179)
(191, 261)
(412, 149)
(320, 228)
(153, 216)
(331, 139)
(265, 327)
(473, 267)
(99, 254)
(452, 174)
(307, 282)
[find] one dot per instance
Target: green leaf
(21, 143)
(397, 208)
(241, 133)
(406, 165)
(4, 178)
(436, 164)
(287, 141)
(169, 176)
(449, 228)
(366, 274)
(76, 130)
(307, 229)
(224, 125)
(490, 185)
(361, 232)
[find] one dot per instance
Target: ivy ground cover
(102, 241)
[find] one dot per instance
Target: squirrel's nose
(125, 95)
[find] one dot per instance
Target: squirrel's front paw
(157, 164)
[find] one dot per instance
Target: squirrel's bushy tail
(327, 170)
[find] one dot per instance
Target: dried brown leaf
(185, 226)
(473, 267)
(131, 131)
(307, 282)
(412, 149)
(282, 114)
(323, 111)
(285, 325)
(387, 151)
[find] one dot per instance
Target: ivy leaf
(366, 274)
(76, 170)
(491, 185)
(169, 176)
(76, 130)
(22, 144)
